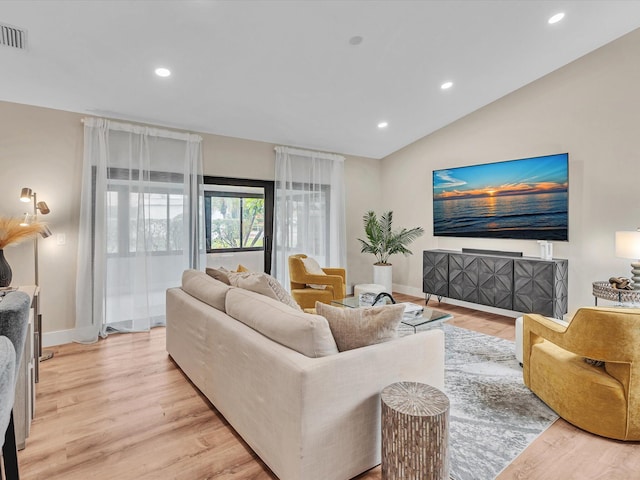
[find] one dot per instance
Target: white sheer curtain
(309, 209)
(140, 224)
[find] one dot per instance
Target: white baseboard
(51, 339)
(481, 308)
(407, 290)
(417, 292)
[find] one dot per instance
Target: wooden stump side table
(415, 432)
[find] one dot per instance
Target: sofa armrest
(7, 382)
(313, 418)
(340, 398)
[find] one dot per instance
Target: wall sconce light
(628, 246)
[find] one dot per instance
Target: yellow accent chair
(300, 279)
(604, 399)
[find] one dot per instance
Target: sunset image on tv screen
(518, 199)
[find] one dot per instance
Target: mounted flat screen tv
(518, 199)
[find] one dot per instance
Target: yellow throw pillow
(359, 327)
(242, 268)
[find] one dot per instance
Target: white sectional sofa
(275, 374)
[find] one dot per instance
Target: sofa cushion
(263, 284)
(7, 381)
(305, 333)
(359, 327)
(205, 288)
(220, 274)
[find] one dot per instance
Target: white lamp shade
(628, 244)
(25, 195)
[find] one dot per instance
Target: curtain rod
(140, 128)
(308, 153)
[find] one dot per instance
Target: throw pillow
(205, 288)
(242, 268)
(313, 267)
(263, 284)
(359, 327)
(219, 274)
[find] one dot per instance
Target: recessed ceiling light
(357, 40)
(446, 85)
(383, 124)
(556, 18)
(163, 72)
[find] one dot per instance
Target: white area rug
(493, 415)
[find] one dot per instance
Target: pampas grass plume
(12, 232)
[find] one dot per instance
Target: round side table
(415, 432)
(605, 291)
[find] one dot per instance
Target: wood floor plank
(122, 409)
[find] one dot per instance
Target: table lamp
(628, 246)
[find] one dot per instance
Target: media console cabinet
(521, 284)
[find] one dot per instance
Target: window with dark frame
(234, 221)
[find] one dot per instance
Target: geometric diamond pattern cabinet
(521, 284)
(481, 279)
(541, 286)
(435, 273)
(495, 282)
(463, 277)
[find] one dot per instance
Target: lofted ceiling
(288, 72)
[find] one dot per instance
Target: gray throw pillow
(263, 284)
(219, 274)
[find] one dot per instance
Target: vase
(383, 275)
(5, 271)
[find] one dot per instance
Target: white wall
(42, 149)
(591, 109)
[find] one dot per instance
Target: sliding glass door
(238, 223)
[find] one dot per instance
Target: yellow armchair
(300, 279)
(605, 399)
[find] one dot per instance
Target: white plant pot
(383, 275)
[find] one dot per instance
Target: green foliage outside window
(237, 222)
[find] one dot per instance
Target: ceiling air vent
(13, 36)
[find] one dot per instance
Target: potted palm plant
(382, 241)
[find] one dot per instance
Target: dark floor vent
(13, 37)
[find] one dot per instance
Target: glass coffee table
(415, 321)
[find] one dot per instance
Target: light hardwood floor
(121, 409)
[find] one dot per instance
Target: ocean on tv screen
(517, 199)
